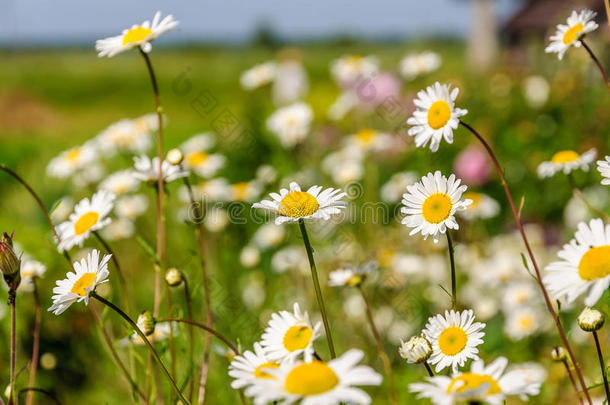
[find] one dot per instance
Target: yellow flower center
(565, 156)
(452, 340)
(197, 158)
(572, 34)
(471, 381)
(366, 136)
(297, 338)
(84, 282)
(136, 35)
(298, 204)
(526, 322)
(260, 373)
(73, 154)
(439, 114)
(85, 222)
(354, 59)
(475, 197)
(241, 190)
(437, 208)
(595, 263)
(311, 379)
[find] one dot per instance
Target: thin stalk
(452, 262)
(382, 354)
(12, 295)
(127, 319)
(597, 62)
(206, 289)
(316, 284)
(572, 380)
(115, 355)
(29, 399)
(29, 390)
(40, 204)
(172, 346)
(205, 328)
(582, 198)
(189, 315)
(115, 260)
(530, 253)
(602, 365)
(607, 4)
(428, 369)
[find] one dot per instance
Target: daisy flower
(454, 338)
(148, 170)
(415, 350)
(521, 323)
(258, 75)
(489, 384)
(584, 265)
(120, 228)
(246, 368)
(127, 135)
(370, 140)
(483, 206)
(566, 161)
(350, 68)
(120, 182)
(197, 158)
(603, 166)
(72, 160)
(131, 206)
(30, 269)
(578, 25)
(414, 65)
(317, 382)
(76, 287)
(136, 36)
(88, 216)
(436, 116)
(291, 124)
(430, 205)
(294, 204)
(245, 190)
(290, 334)
(352, 275)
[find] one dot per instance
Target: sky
(81, 21)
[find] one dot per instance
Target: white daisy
(566, 161)
(317, 382)
(521, 323)
(488, 384)
(603, 166)
(120, 228)
(351, 275)
(148, 170)
(430, 205)
(268, 236)
(72, 160)
(246, 368)
(370, 140)
(136, 36)
(291, 124)
(518, 294)
(414, 65)
(290, 258)
(127, 135)
(216, 219)
(483, 206)
(88, 216)
(290, 334)
(131, 206)
(290, 83)
(197, 158)
(436, 116)
(578, 25)
(294, 204)
(245, 190)
(120, 182)
(415, 350)
(454, 338)
(249, 256)
(350, 68)
(258, 75)
(76, 287)
(30, 269)
(585, 264)
(62, 209)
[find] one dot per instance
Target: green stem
(602, 365)
(189, 314)
(597, 62)
(316, 284)
(582, 198)
(154, 353)
(452, 262)
(205, 328)
(12, 295)
(572, 380)
(29, 399)
(428, 369)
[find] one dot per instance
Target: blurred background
(55, 94)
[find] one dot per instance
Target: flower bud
(174, 156)
(146, 323)
(590, 320)
(10, 264)
(173, 277)
(415, 350)
(558, 354)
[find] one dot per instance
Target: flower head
(291, 124)
(603, 166)
(414, 65)
(137, 36)
(258, 75)
(436, 116)
(578, 25)
(483, 206)
(249, 367)
(148, 170)
(198, 158)
(71, 161)
(590, 320)
(352, 275)
(566, 161)
(415, 350)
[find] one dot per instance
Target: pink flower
(376, 90)
(472, 166)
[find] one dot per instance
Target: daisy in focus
(317, 382)
(291, 124)
(412, 66)
(584, 266)
(430, 205)
(454, 338)
(258, 75)
(78, 285)
(603, 166)
(290, 334)
(483, 206)
(482, 384)
(567, 35)
(147, 170)
(566, 161)
(197, 158)
(88, 216)
(250, 366)
(71, 161)
(435, 116)
(137, 36)
(293, 204)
